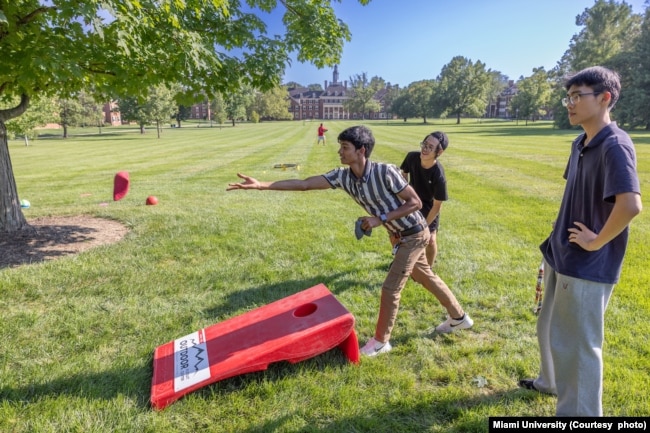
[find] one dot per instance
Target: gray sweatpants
(570, 332)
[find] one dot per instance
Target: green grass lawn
(78, 334)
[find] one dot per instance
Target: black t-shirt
(429, 183)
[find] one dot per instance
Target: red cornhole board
(120, 185)
(292, 329)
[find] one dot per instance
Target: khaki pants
(411, 260)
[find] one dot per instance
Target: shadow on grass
(50, 238)
(41, 244)
(102, 385)
(135, 383)
(261, 295)
(447, 414)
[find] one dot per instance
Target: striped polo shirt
(376, 192)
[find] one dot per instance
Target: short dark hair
(360, 136)
(441, 137)
(600, 79)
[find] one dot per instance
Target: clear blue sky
(404, 41)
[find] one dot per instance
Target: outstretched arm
(314, 182)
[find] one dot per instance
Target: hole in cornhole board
(305, 310)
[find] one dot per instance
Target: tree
(235, 104)
(362, 93)
(420, 96)
(293, 85)
(533, 96)
(120, 47)
(218, 108)
(131, 110)
(161, 104)
(633, 107)
(158, 107)
(498, 83)
(608, 35)
(557, 77)
(273, 104)
(92, 113)
(181, 113)
(392, 93)
(463, 87)
(70, 114)
(609, 27)
(403, 107)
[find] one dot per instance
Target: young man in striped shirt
(384, 193)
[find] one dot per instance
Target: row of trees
(156, 108)
(248, 103)
(611, 35)
(80, 111)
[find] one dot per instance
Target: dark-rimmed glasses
(575, 98)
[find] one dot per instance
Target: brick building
(329, 103)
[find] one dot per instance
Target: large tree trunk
(11, 216)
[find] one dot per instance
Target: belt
(413, 230)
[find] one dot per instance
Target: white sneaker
(374, 347)
(451, 325)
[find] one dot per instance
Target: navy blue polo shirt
(376, 191)
(594, 175)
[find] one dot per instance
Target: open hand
(248, 183)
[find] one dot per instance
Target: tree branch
(28, 18)
(33, 14)
(291, 9)
(16, 111)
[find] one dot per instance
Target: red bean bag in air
(120, 185)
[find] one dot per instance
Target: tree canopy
(533, 96)
(464, 87)
(211, 45)
(117, 48)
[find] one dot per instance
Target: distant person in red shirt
(321, 134)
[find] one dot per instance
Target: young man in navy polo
(391, 202)
(584, 253)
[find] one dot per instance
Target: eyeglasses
(575, 98)
(427, 146)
